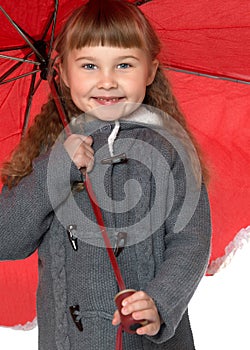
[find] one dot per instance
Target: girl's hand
(80, 151)
(142, 307)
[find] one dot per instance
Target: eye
(123, 65)
(89, 66)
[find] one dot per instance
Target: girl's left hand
(142, 307)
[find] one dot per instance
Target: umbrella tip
(141, 2)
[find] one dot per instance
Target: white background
(219, 311)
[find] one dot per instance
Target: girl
(108, 68)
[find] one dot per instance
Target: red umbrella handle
(58, 102)
(101, 225)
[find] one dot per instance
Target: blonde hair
(90, 25)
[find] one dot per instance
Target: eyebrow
(91, 58)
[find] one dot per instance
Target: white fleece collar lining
(144, 116)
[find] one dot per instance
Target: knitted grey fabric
(166, 262)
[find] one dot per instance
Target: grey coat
(150, 196)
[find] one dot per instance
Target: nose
(107, 81)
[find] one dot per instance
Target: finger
(84, 157)
(116, 318)
(90, 165)
(86, 139)
(84, 161)
(140, 295)
(85, 148)
(151, 315)
(85, 151)
(150, 329)
(88, 160)
(138, 305)
(74, 141)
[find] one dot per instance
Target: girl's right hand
(80, 151)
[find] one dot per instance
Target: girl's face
(107, 82)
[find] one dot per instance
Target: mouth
(108, 100)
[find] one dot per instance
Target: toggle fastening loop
(119, 158)
(72, 238)
(121, 241)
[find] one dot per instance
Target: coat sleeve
(187, 250)
(26, 210)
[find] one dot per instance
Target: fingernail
(124, 310)
(124, 302)
(139, 331)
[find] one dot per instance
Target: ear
(63, 74)
(152, 72)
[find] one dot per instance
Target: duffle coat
(152, 195)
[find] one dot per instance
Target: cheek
(137, 85)
(76, 97)
(77, 89)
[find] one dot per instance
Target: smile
(108, 100)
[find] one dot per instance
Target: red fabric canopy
(199, 38)
(204, 36)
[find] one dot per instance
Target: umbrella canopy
(206, 55)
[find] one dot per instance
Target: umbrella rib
(14, 48)
(207, 75)
(27, 110)
(13, 68)
(19, 77)
(25, 33)
(24, 36)
(53, 15)
(53, 20)
(9, 71)
(47, 27)
(23, 60)
(37, 85)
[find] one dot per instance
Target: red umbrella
(206, 53)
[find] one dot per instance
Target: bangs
(107, 27)
(106, 34)
(108, 23)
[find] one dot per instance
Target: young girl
(108, 68)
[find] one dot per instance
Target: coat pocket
(96, 331)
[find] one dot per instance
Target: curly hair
(90, 25)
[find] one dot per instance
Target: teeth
(108, 99)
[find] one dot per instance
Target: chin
(113, 112)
